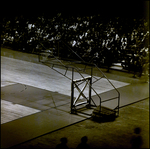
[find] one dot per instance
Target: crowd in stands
(89, 36)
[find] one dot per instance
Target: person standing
(136, 140)
(63, 144)
(109, 55)
(83, 143)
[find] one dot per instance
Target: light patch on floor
(43, 77)
(10, 111)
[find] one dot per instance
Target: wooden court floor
(34, 97)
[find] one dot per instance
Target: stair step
(104, 111)
(105, 115)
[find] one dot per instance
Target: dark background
(75, 8)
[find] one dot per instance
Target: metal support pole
(100, 104)
(118, 102)
(72, 91)
(39, 54)
(58, 48)
(90, 87)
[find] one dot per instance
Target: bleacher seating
(87, 35)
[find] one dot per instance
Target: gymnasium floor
(35, 100)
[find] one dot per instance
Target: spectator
(136, 64)
(63, 144)
(83, 143)
(145, 64)
(136, 140)
(109, 55)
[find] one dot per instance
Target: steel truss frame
(75, 83)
